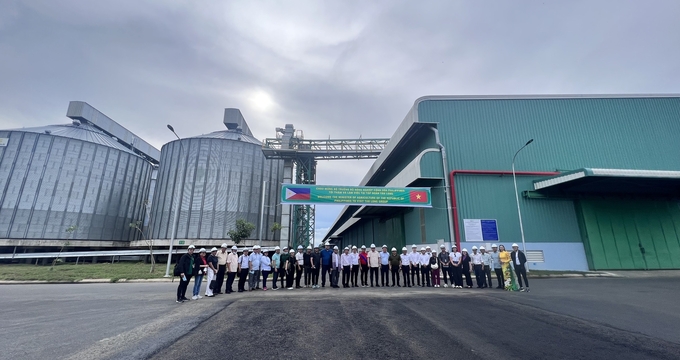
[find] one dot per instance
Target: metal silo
(76, 175)
(221, 175)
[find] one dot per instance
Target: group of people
(425, 268)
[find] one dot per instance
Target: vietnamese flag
(418, 196)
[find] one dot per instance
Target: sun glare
(260, 100)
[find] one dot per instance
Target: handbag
(435, 266)
(212, 284)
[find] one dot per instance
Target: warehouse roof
(611, 181)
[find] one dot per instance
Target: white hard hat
(191, 247)
(464, 249)
(384, 246)
(404, 249)
(394, 249)
(442, 246)
(224, 245)
(454, 246)
(372, 245)
(346, 248)
(494, 246)
(335, 247)
(363, 246)
(482, 248)
(474, 248)
(422, 249)
(327, 244)
(201, 250)
(245, 249)
(285, 248)
(354, 247)
(515, 244)
(309, 247)
(213, 249)
(427, 247)
(256, 247)
(277, 248)
(300, 247)
(316, 246)
(234, 247)
(414, 246)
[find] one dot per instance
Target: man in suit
(518, 261)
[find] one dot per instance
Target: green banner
(355, 195)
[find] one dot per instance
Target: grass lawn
(71, 272)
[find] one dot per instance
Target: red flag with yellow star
(418, 196)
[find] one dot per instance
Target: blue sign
(489, 230)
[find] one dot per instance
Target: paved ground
(560, 319)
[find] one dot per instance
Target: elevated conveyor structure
(300, 156)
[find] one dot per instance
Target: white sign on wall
(4, 141)
(480, 229)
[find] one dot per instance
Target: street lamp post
(175, 217)
(519, 212)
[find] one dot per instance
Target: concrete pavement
(624, 318)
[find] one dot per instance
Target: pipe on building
(454, 209)
(447, 185)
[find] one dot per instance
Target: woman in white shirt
(266, 264)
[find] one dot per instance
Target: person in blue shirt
(326, 262)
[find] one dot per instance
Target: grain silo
(76, 176)
(221, 176)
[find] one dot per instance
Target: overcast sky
(343, 69)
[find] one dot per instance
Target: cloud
(339, 69)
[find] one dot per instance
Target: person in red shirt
(363, 262)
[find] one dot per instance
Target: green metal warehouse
(599, 187)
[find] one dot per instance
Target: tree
(242, 231)
(69, 230)
(137, 225)
(275, 227)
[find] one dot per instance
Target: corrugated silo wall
(222, 183)
(50, 183)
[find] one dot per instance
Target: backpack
(177, 271)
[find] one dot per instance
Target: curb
(83, 281)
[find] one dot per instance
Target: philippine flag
(298, 194)
(417, 196)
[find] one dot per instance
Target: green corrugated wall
(615, 229)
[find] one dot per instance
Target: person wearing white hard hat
(355, 266)
(374, 264)
(384, 267)
(276, 266)
(200, 269)
(405, 261)
(425, 267)
(497, 266)
(290, 267)
(266, 268)
(326, 262)
(456, 269)
(300, 265)
(316, 267)
(478, 266)
(212, 271)
(335, 268)
(307, 266)
(243, 269)
(232, 270)
(510, 283)
(285, 253)
(487, 260)
(445, 263)
(518, 262)
(185, 269)
(346, 263)
(222, 255)
(414, 258)
(394, 266)
(434, 269)
(363, 262)
(255, 268)
(466, 267)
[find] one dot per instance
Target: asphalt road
(560, 319)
